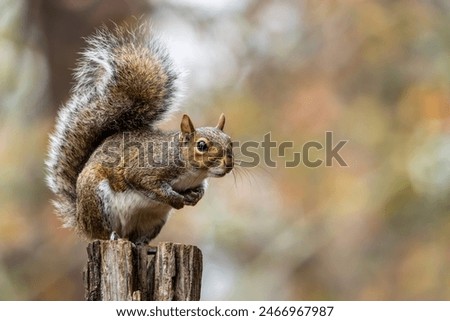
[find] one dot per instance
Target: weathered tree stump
(120, 270)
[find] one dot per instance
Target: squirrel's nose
(229, 163)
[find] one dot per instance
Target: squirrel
(113, 172)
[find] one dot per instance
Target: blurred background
(375, 73)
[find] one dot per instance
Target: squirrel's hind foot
(114, 236)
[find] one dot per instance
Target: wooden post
(120, 270)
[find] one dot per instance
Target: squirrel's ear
(186, 125)
(221, 123)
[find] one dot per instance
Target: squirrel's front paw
(191, 197)
(178, 202)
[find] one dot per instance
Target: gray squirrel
(125, 84)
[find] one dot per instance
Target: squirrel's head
(207, 148)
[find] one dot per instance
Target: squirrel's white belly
(190, 179)
(130, 212)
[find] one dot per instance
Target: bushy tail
(124, 81)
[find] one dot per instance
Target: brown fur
(163, 184)
(125, 83)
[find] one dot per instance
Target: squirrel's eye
(202, 146)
